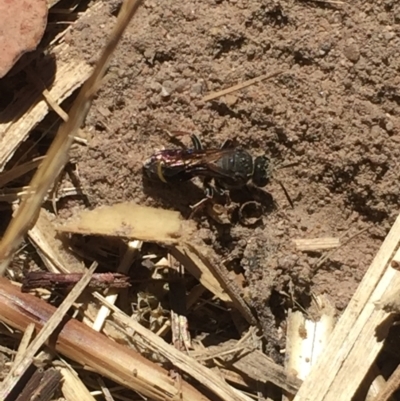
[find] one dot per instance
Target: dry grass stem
(180, 360)
(199, 270)
(51, 249)
(220, 274)
(112, 296)
(43, 382)
(260, 368)
(92, 349)
(57, 156)
(72, 387)
(242, 85)
(18, 171)
(68, 77)
(353, 346)
(51, 101)
(49, 327)
(23, 345)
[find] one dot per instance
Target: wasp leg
(196, 142)
(221, 191)
(228, 143)
(209, 193)
(174, 137)
(199, 205)
(209, 190)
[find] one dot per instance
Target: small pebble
(230, 100)
(352, 52)
(389, 35)
(376, 131)
(167, 88)
(155, 87)
(325, 48)
(149, 55)
(197, 88)
(389, 126)
(286, 263)
(165, 92)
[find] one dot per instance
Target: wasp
(231, 167)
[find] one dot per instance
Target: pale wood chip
(316, 244)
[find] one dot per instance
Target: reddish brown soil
(334, 110)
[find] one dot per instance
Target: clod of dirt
(352, 52)
(22, 24)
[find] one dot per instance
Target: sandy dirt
(334, 111)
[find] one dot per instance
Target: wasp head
(262, 173)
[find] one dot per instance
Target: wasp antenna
(174, 137)
(196, 142)
(286, 193)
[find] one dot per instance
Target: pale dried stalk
(259, 367)
(306, 339)
(72, 387)
(18, 171)
(23, 345)
(51, 249)
(51, 101)
(112, 296)
(68, 77)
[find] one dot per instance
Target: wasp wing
(173, 165)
